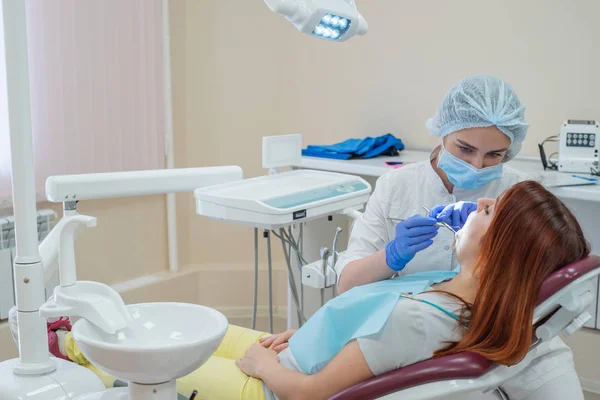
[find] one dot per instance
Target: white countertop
(375, 167)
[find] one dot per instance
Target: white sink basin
(164, 341)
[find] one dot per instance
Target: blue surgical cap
(481, 101)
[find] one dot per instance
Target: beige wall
(129, 241)
(227, 83)
(240, 72)
(393, 79)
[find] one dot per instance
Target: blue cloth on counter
(369, 147)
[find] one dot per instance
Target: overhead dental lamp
(334, 20)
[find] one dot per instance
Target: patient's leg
(220, 379)
(236, 341)
(77, 356)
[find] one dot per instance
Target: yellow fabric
(77, 356)
(218, 379)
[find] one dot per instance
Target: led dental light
(332, 27)
(333, 20)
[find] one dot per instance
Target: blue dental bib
(359, 312)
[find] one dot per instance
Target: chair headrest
(567, 274)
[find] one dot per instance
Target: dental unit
(113, 335)
(283, 200)
(97, 309)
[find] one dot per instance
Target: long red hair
(532, 235)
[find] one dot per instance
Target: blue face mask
(465, 176)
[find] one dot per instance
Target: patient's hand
(278, 342)
(256, 360)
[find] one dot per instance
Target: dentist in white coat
(481, 123)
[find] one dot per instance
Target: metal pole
(169, 148)
(255, 294)
(28, 268)
(270, 266)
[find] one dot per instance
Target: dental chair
(564, 298)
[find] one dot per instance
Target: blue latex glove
(454, 214)
(412, 236)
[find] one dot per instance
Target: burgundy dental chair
(566, 295)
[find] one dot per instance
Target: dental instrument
(579, 145)
(553, 179)
(314, 277)
(585, 178)
(336, 236)
(321, 274)
(440, 224)
(324, 258)
(333, 20)
(445, 225)
(336, 254)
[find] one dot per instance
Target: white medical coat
(402, 193)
